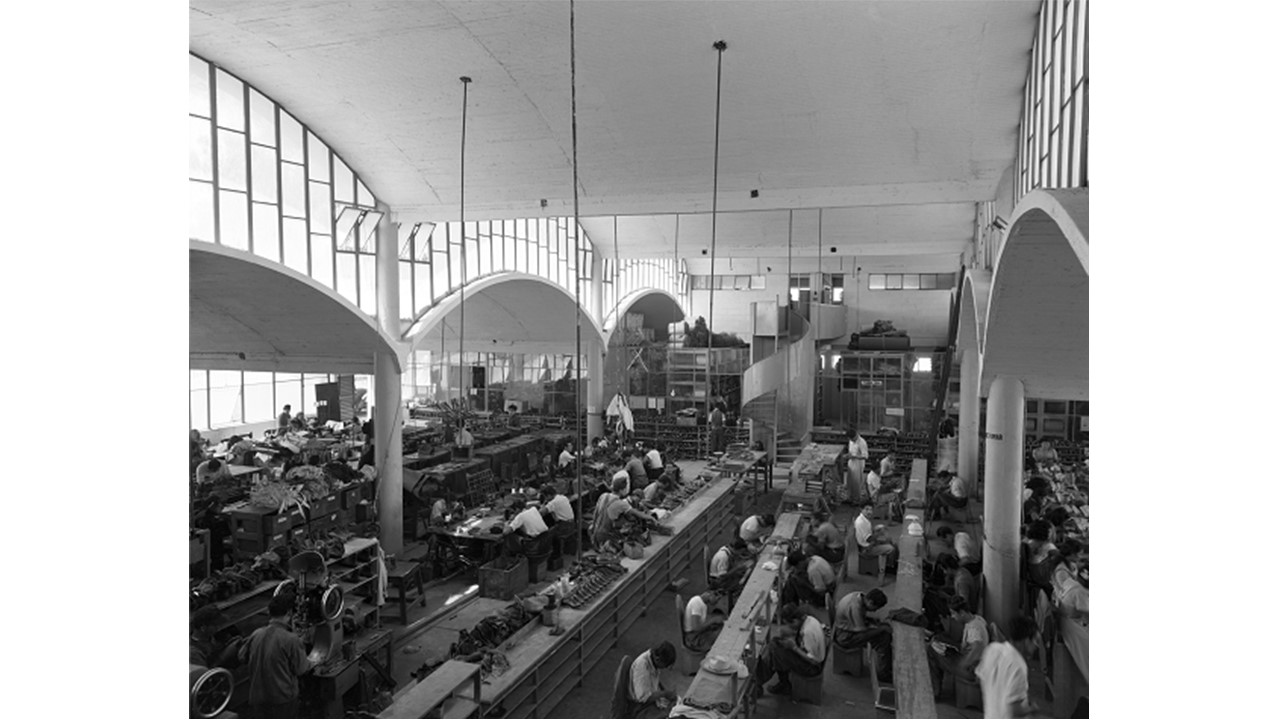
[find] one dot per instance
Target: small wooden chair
(402, 577)
(620, 705)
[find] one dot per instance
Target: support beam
(595, 389)
(388, 417)
(970, 414)
(1006, 412)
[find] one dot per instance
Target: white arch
(611, 319)
(246, 280)
(1037, 315)
(432, 316)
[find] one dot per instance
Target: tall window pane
(225, 398)
(421, 286)
(322, 259)
(231, 165)
(198, 83)
(317, 159)
(258, 402)
(288, 392)
(347, 276)
(295, 244)
(294, 188)
(201, 210)
(266, 231)
(290, 138)
(233, 219)
(368, 283)
(321, 208)
(230, 102)
(406, 290)
(264, 173)
(262, 119)
(200, 149)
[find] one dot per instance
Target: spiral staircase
(777, 390)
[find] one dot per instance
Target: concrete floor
(843, 696)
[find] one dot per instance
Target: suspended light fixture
(720, 47)
(462, 228)
(577, 279)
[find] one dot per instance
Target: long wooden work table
(754, 603)
(911, 683)
(544, 668)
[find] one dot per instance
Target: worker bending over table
(754, 528)
(951, 492)
(613, 516)
(731, 566)
(653, 461)
(528, 522)
(827, 538)
(700, 633)
(854, 629)
(946, 658)
(810, 580)
(800, 647)
(649, 697)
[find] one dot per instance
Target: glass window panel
(233, 219)
(231, 167)
(486, 256)
(421, 286)
(893, 282)
(262, 119)
(259, 405)
(928, 281)
(406, 290)
(266, 231)
(295, 244)
(368, 283)
(422, 243)
(347, 276)
(317, 158)
(200, 409)
(264, 173)
(1055, 425)
(345, 229)
(439, 276)
(508, 252)
(200, 149)
(522, 256)
(911, 281)
(343, 182)
(322, 259)
(455, 265)
(1077, 150)
(309, 383)
(288, 391)
(230, 102)
(321, 208)
(199, 379)
(201, 211)
(198, 85)
(473, 258)
(225, 398)
(294, 187)
(363, 196)
(290, 138)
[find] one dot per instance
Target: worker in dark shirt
(206, 649)
(276, 657)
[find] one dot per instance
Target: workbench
(544, 668)
(757, 467)
(754, 604)
(327, 684)
(911, 682)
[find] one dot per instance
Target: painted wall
(922, 314)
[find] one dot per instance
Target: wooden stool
(848, 661)
(807, 690)
(968, 694)
(869, 564)
(402, 577)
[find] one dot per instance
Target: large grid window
(1054, 130)
(227, 398)
(262, 182)
(728, 282)
(911, 281)
(493, 381)
(624, 277)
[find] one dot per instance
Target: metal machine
(210, 690)
(318, 604)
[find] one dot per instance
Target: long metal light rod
(720, 47)
(462, 228)
(577, 275)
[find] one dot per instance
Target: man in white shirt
(566, 455)
(872, 541)
(625, 477)
(966, 548)
(556, 505)
(857, 450)
(730, 566)
(645, 688)
(953, 492)
(1002, 672)
(699, 632)
(945, 658)
(854, 629)
(212, 470)
(529, 521)
(800, 648)
(653, 462)
(755, 527)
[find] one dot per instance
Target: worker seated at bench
(810, 580)
(701, 630)
(528, 522)
(965, 548)
(854, 629)
(556, 508)
(755, 529)
(872, 541)
(612, 517)
(649, 697)
(827, 538)
(731, 566)
(951, 492)
(656, 491)
(653, 465)
(959, 661)
(945, 579)
(800, 647)
(1042, 555)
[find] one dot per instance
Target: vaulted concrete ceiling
(520, 316)
(836, 104)
(250, 314)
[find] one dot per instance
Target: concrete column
(970, 413)
(1006, 411)
(388, 407)
(596, 401)
(388, 416)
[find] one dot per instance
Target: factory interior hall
(702, 359)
